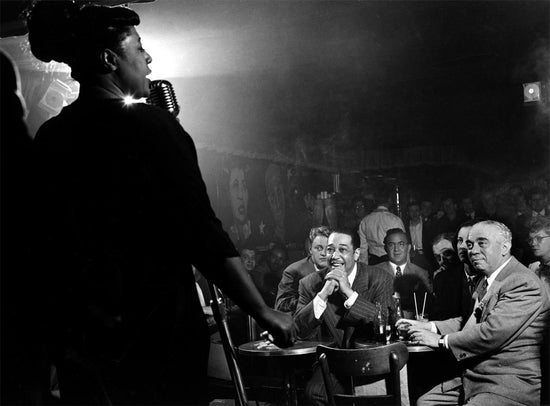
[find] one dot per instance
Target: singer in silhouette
(124, 214)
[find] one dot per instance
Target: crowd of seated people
(427, 253)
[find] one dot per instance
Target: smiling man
(340, 299)
(499, 347)
(408, 277)
(287, 295)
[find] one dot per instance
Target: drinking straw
(415, 305)
(424, 305)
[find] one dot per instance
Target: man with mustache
(499, 347)
(339, 300)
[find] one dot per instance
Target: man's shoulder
(382, 266)
(515, 271)
(312, 278)
(416, 269)
(375, 272)
(300, 266)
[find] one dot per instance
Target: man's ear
(356, 254)
(109, 60)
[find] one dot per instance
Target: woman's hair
(66, 32)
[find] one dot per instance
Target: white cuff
(351, 300)
(319, 306)
(434, 327)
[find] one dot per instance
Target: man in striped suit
(339, 300)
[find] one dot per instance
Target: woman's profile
(124, 214)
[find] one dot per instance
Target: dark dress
(123, 214)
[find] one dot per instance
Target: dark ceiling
(293, 76)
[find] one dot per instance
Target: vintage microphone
(161, 94)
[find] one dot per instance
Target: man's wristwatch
(441, 342)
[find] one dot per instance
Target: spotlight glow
(130, 100)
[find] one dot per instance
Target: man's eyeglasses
(537, 239)
(400, 244)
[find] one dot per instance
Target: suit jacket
(501, 353)
(417, 279)
(448, 292)
(287, 294)
(371, 285)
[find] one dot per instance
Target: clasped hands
(336, 280)
(419, 332)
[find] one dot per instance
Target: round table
(301, 351)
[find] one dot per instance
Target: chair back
(365, 364)
(219, 311)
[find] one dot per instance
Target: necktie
(482, 289)
(398, 273)
(471, 285)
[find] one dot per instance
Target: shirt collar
(493, 276)
(351, 276)
(394, 267)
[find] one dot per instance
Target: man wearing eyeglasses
(408, 277)
(539, 241)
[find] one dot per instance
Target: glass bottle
(379, 334)
(398, 315)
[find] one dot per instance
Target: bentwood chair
(360, 366)
(258, 387)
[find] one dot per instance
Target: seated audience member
(408, 277)
(468, 208)
(488, 205)
(358, 211)
(287, 295)
(268, 274)
(451, 218)
(539, 241)
(373, 228)
(447, 279)
(248, 257)
(429, 229)
(499, 346)
(336, 301)
(536, 198)
(470, 275)
(418, 235)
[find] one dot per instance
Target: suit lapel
(487, 302)
(360, 282)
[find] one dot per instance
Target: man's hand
(423, 336)
(417, 324)
(280, 326)
(341, 277)
(329, 288)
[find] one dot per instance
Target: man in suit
(340, 299)
(447, 279)
(419, 235)
(287, 295)
(499, 346)
(408, 277)
(373, 228)
(470, 275)
(267, 275)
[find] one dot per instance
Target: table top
(264, 348)
(410, 346)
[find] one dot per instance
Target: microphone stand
(219, 311)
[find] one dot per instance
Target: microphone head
(161, 94)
